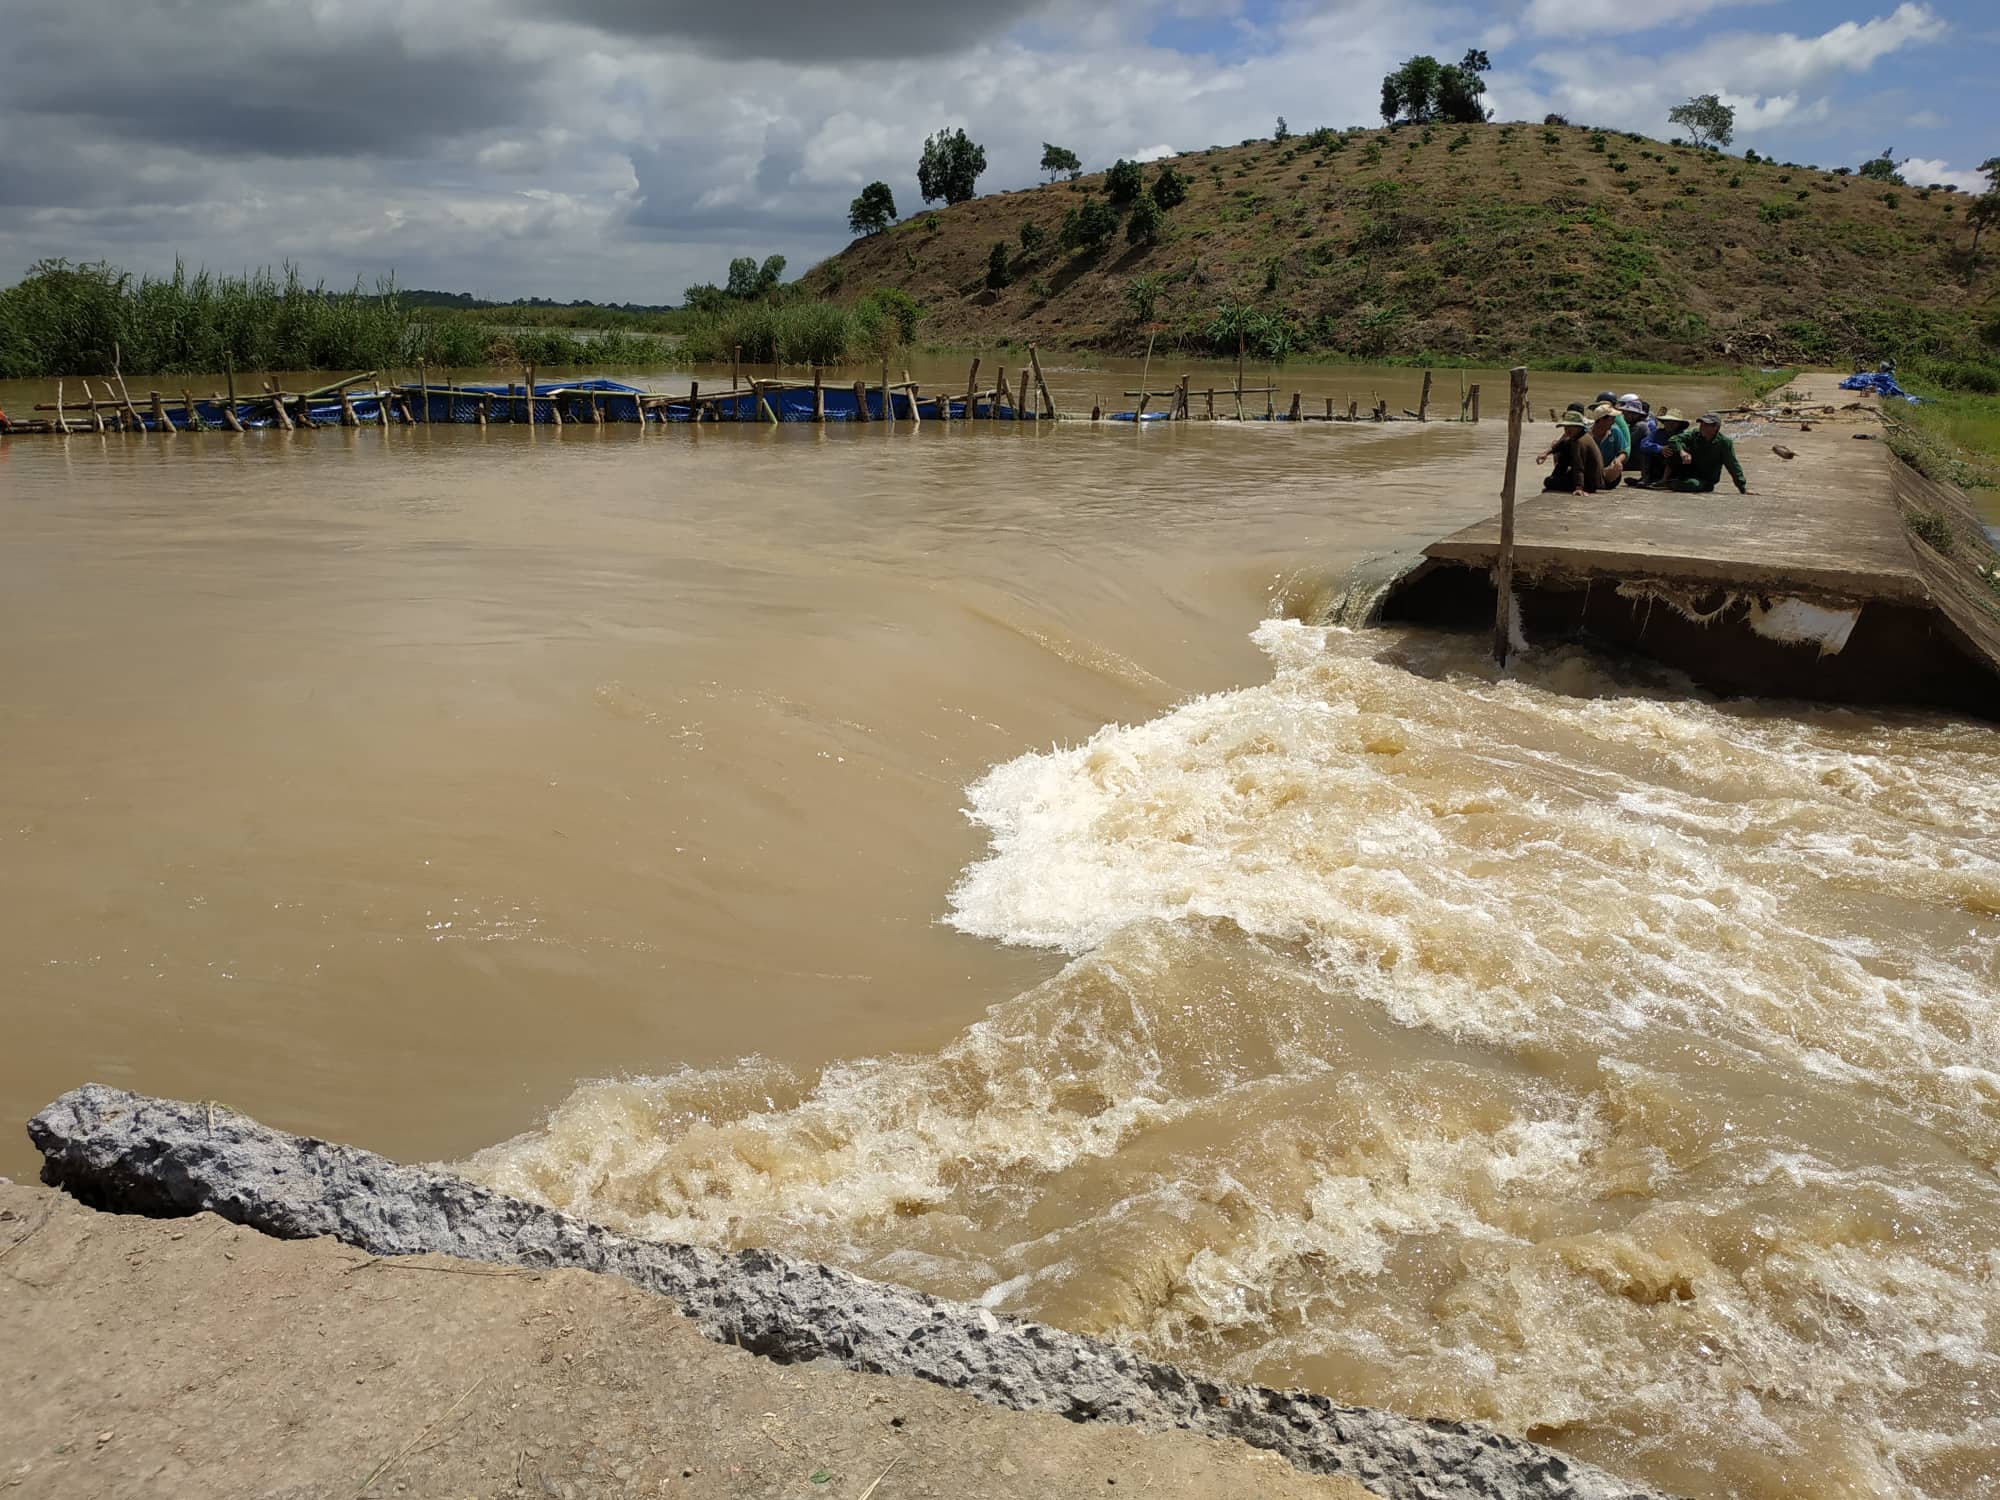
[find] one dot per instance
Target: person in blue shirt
(1654, 460)
(1613, 446)
(1644, 430)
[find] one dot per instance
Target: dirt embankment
(150, 1357)
(162, 1351)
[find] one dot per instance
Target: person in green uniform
(1696, 458)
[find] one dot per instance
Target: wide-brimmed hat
(1672, 414)
(1601, 410)
(1571, 418)
(1632, 406)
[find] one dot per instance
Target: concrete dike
(132, 1154)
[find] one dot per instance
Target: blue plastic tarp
(1882, 385)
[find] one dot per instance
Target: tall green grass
(802, 332)
(65, 319)
(1953, 434)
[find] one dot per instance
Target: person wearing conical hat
(1579, 467)
(1653, 448)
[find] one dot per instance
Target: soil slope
(196, 1357)
(1483, 244)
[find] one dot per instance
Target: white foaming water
(1560, 1051)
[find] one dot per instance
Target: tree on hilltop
(950, 165)
(1424, 91)
(873, 211)
(1706, 119)
(1060, 161)
(1170, 188)
(1882, 168)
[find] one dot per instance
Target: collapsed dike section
(129, 1153)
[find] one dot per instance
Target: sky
(623, 149)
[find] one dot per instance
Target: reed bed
(68, 319)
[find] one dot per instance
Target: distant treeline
(65, 319)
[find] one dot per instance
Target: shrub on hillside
(1123, 182)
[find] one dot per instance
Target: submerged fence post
(860, 400)
(1424, 401)
(1472, 400)
(819, 394)
(1048, 401)
(972, 391)
(1503, 571)
(735, 365)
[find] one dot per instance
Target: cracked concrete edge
(131, 1153)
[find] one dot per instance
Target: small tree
(1033, 237)
(1089, 225)
(873, 211)
(1060, 161)
(950, 166)
(1706, 119)
(1142, 227)
(1882, 168)
(1283, 133)
(1123, 183)
(997, 274)
(1983, 212)
(1170, 188)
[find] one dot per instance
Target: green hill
(1487, 243)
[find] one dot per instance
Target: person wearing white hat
(1613, 441)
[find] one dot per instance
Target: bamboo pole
(819, 394)
(1424, 401)
(888, 408)
(479, 411)
(117, 369)
(1048, 401)
(96, 417)
(916, 415)
(531, 395)
(1503, 572)
(278, 405)
(61, 421)
(229, 374)
(971, 386)
(1185, 413)
(1002, 392)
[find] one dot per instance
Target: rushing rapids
(1613, 1067)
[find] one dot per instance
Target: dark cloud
(805, 31)
(241, 78)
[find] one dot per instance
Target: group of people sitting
(1619, 440)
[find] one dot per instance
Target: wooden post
(480, 411)
(347, 416)
(160, 422)
(1295, 406)
(1211, 403)
(764, 403)
(1096, 411)
(555, 406)
(1048, 401)
(229, 374)
(1503, 572)
(187, 409)
(819, 394)
(1329, 408)
(90, 401)
(971, 389)
(1239, 364)
(860, 400)
(284, 418)
(1186, 411)
(888, 407)
(1424, 401)
(1353, 411)
(694, 390)
(916, 416)
(735, 365)
(62, 422)
(530, 403)
(1474, 398)
(424, 387)
(1002, 392)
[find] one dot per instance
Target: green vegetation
(949, 167)
(872, 211)
(1953, 434)
(799, 331)
(1424, 91)
(1123, 183)
(64, 319)
(1706, 119)
(1060, 161)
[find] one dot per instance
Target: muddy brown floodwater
(960, 855)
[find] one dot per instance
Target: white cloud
(1559, 17)
(1919, 172)
(1925, 119)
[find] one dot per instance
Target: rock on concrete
(131, 1153)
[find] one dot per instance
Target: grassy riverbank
(65, 319)
(1953, 433)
